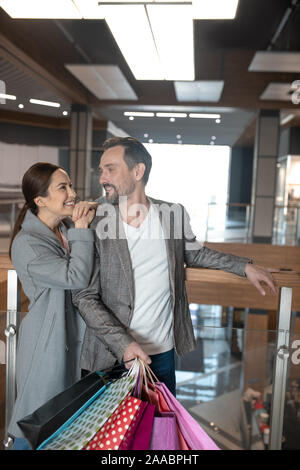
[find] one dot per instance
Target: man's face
(115, 175)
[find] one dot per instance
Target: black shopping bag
(44, 421)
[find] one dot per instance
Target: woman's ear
(39, 201)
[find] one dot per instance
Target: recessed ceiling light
(172, 119)
(45, 103)
(173, 115)
(172, 29)
(21, 106)
(204, 116)
(146, 135)
(63, 9)
(138, 114)
(275, 61)
(218, 121)
(7, 97)
(150, 141)
(178, 136)
(213, 137)
(212, 143)
(65, 113)
(131, 118)
(214, 9)
(201, 90)
(179, 142)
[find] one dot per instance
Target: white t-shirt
(151, 324)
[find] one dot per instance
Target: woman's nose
(72, 193)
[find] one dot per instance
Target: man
(136, 304)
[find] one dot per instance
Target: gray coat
(50, 335)
(107, 304)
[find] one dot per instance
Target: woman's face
(61, 197)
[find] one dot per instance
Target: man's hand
(133, 351)
(257, 274)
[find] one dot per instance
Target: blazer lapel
(167, 223)
(120, 246)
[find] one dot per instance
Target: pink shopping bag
(156, 397)
(195, 437)
(139, 436)
(164, 434)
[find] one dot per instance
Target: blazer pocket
(50, 331)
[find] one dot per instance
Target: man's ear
(140, 169)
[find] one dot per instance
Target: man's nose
(102, 179)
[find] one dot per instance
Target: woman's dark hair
(134, 153)
(35, 182)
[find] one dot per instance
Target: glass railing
(291, 418)
(286, 225)
(226, 383)
(2, 376)
(227, 222)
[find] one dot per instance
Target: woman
(50, 261)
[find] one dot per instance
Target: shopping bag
(77, 434)
(44, 421)
(164, 435)
(156, 397)
(195, 437)
(139, 436)
(116, 428)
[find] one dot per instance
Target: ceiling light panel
(138, 114)
(199, 91)
(107, 82)
(89, 9)
(44, 103)
(269, 61)
(46, 9)
(215, 9)
(277, 92)
(172, 115)
(204, 116)
(172, 27)
(130, 27)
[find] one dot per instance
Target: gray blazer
(107, 304)
(51, 334)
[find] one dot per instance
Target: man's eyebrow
(107, 165)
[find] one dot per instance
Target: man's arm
(105, 324)
(198, 255)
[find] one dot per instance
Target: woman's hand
(85, 220)
(84, 209)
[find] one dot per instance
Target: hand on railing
(258, 274)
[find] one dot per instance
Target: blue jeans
(163, 366)
(20, 443)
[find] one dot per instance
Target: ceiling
(34, 55)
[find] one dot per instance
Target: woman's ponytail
(18, 225)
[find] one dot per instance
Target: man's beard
(114, 197)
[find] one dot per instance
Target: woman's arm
(47, 268)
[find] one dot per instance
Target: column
(264, 175)
(81, 149)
